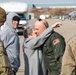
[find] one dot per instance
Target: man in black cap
(11, 40)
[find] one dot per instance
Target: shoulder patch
(56, 41)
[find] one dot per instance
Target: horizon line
(53, 3)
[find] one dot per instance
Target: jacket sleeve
(59, 48)
(37, 41)
(68, 61)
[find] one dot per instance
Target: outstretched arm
(57, 24)
(37, 41)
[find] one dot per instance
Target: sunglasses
(39, 19)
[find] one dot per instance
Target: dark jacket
(53, 51)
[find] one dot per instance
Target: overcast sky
(42, 1)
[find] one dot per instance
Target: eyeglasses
(46, 25)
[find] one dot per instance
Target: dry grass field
(50, 11)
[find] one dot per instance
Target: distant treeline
(50, 11)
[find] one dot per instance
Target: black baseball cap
(16, 18)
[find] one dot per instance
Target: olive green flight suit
(5, 68)
(53, 50)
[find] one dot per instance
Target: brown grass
(50, 11)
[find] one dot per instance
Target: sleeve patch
(56, 41)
